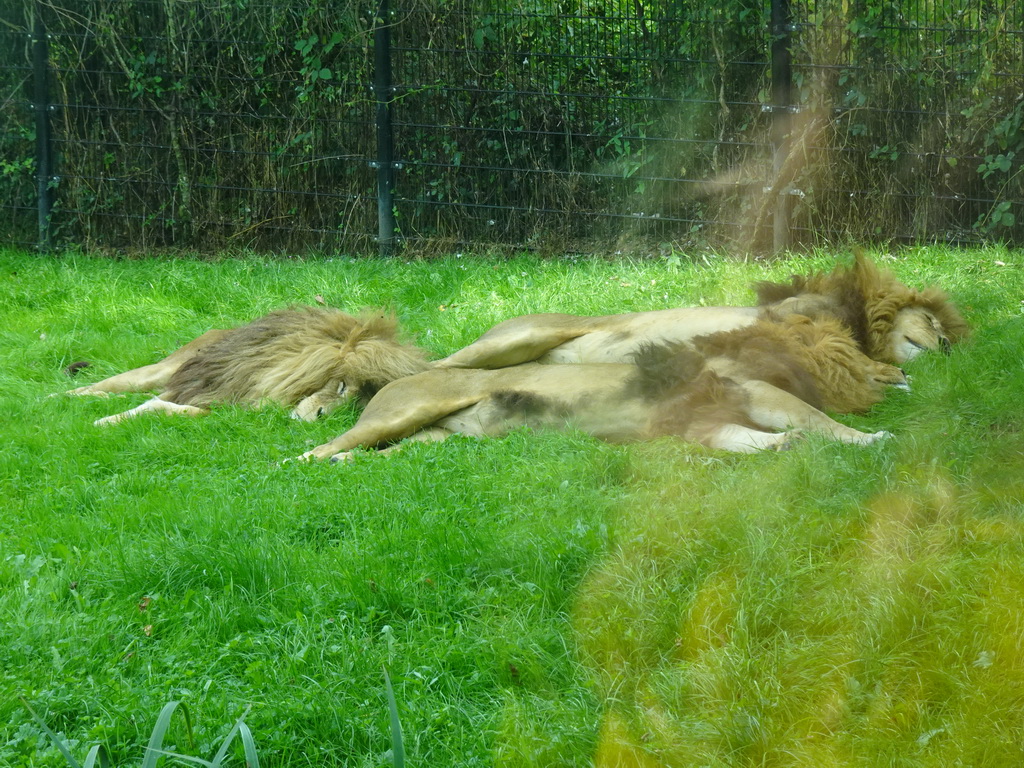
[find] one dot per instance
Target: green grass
(540, 600)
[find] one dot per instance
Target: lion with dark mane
(741, 390)
(311, 358)
(889, 321)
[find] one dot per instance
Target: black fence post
(41, 105)
(782, 94)
(383, 94)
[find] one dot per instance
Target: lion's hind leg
(518, 340)
(144, 379)
(154, 405)
(370, 431)
(150, 378)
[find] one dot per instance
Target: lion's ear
(863, 264)
(868, 277)
(772, 293)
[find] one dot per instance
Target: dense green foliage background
(577, 125)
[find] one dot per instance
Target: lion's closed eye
(915, 343)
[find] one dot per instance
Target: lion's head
(891, 322)
(371, 357)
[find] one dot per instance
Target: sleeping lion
(311, 358)
(890, 322)
(742, 390)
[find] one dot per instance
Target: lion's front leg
(740, 439)
(156, 405)
(774, 408)
(431, 435)
(144, 379)
(370, 431)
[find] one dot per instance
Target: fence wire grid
(577, 125)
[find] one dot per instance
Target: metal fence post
(41, 105)
(383, 94)
(782, 88)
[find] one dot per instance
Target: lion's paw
(312, 456)
(792, 437)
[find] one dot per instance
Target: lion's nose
(946, 346)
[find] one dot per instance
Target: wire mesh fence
(578, 125)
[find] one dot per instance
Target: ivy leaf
(304, 46)
(336, 38)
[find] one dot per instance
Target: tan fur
(880, 311)
(309, 357)
(741, 390)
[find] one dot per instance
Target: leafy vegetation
(251, 124)
(538, 600)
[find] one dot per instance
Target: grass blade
(397, 747)
(53, 736)
(250, 746)
(186, 758)
(154, 750)
(239, 724)
(97, 753)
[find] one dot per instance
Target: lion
(312, 358)
(891, 322)
(742, 390)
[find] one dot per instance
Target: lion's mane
(864, 298)
(292, 353)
